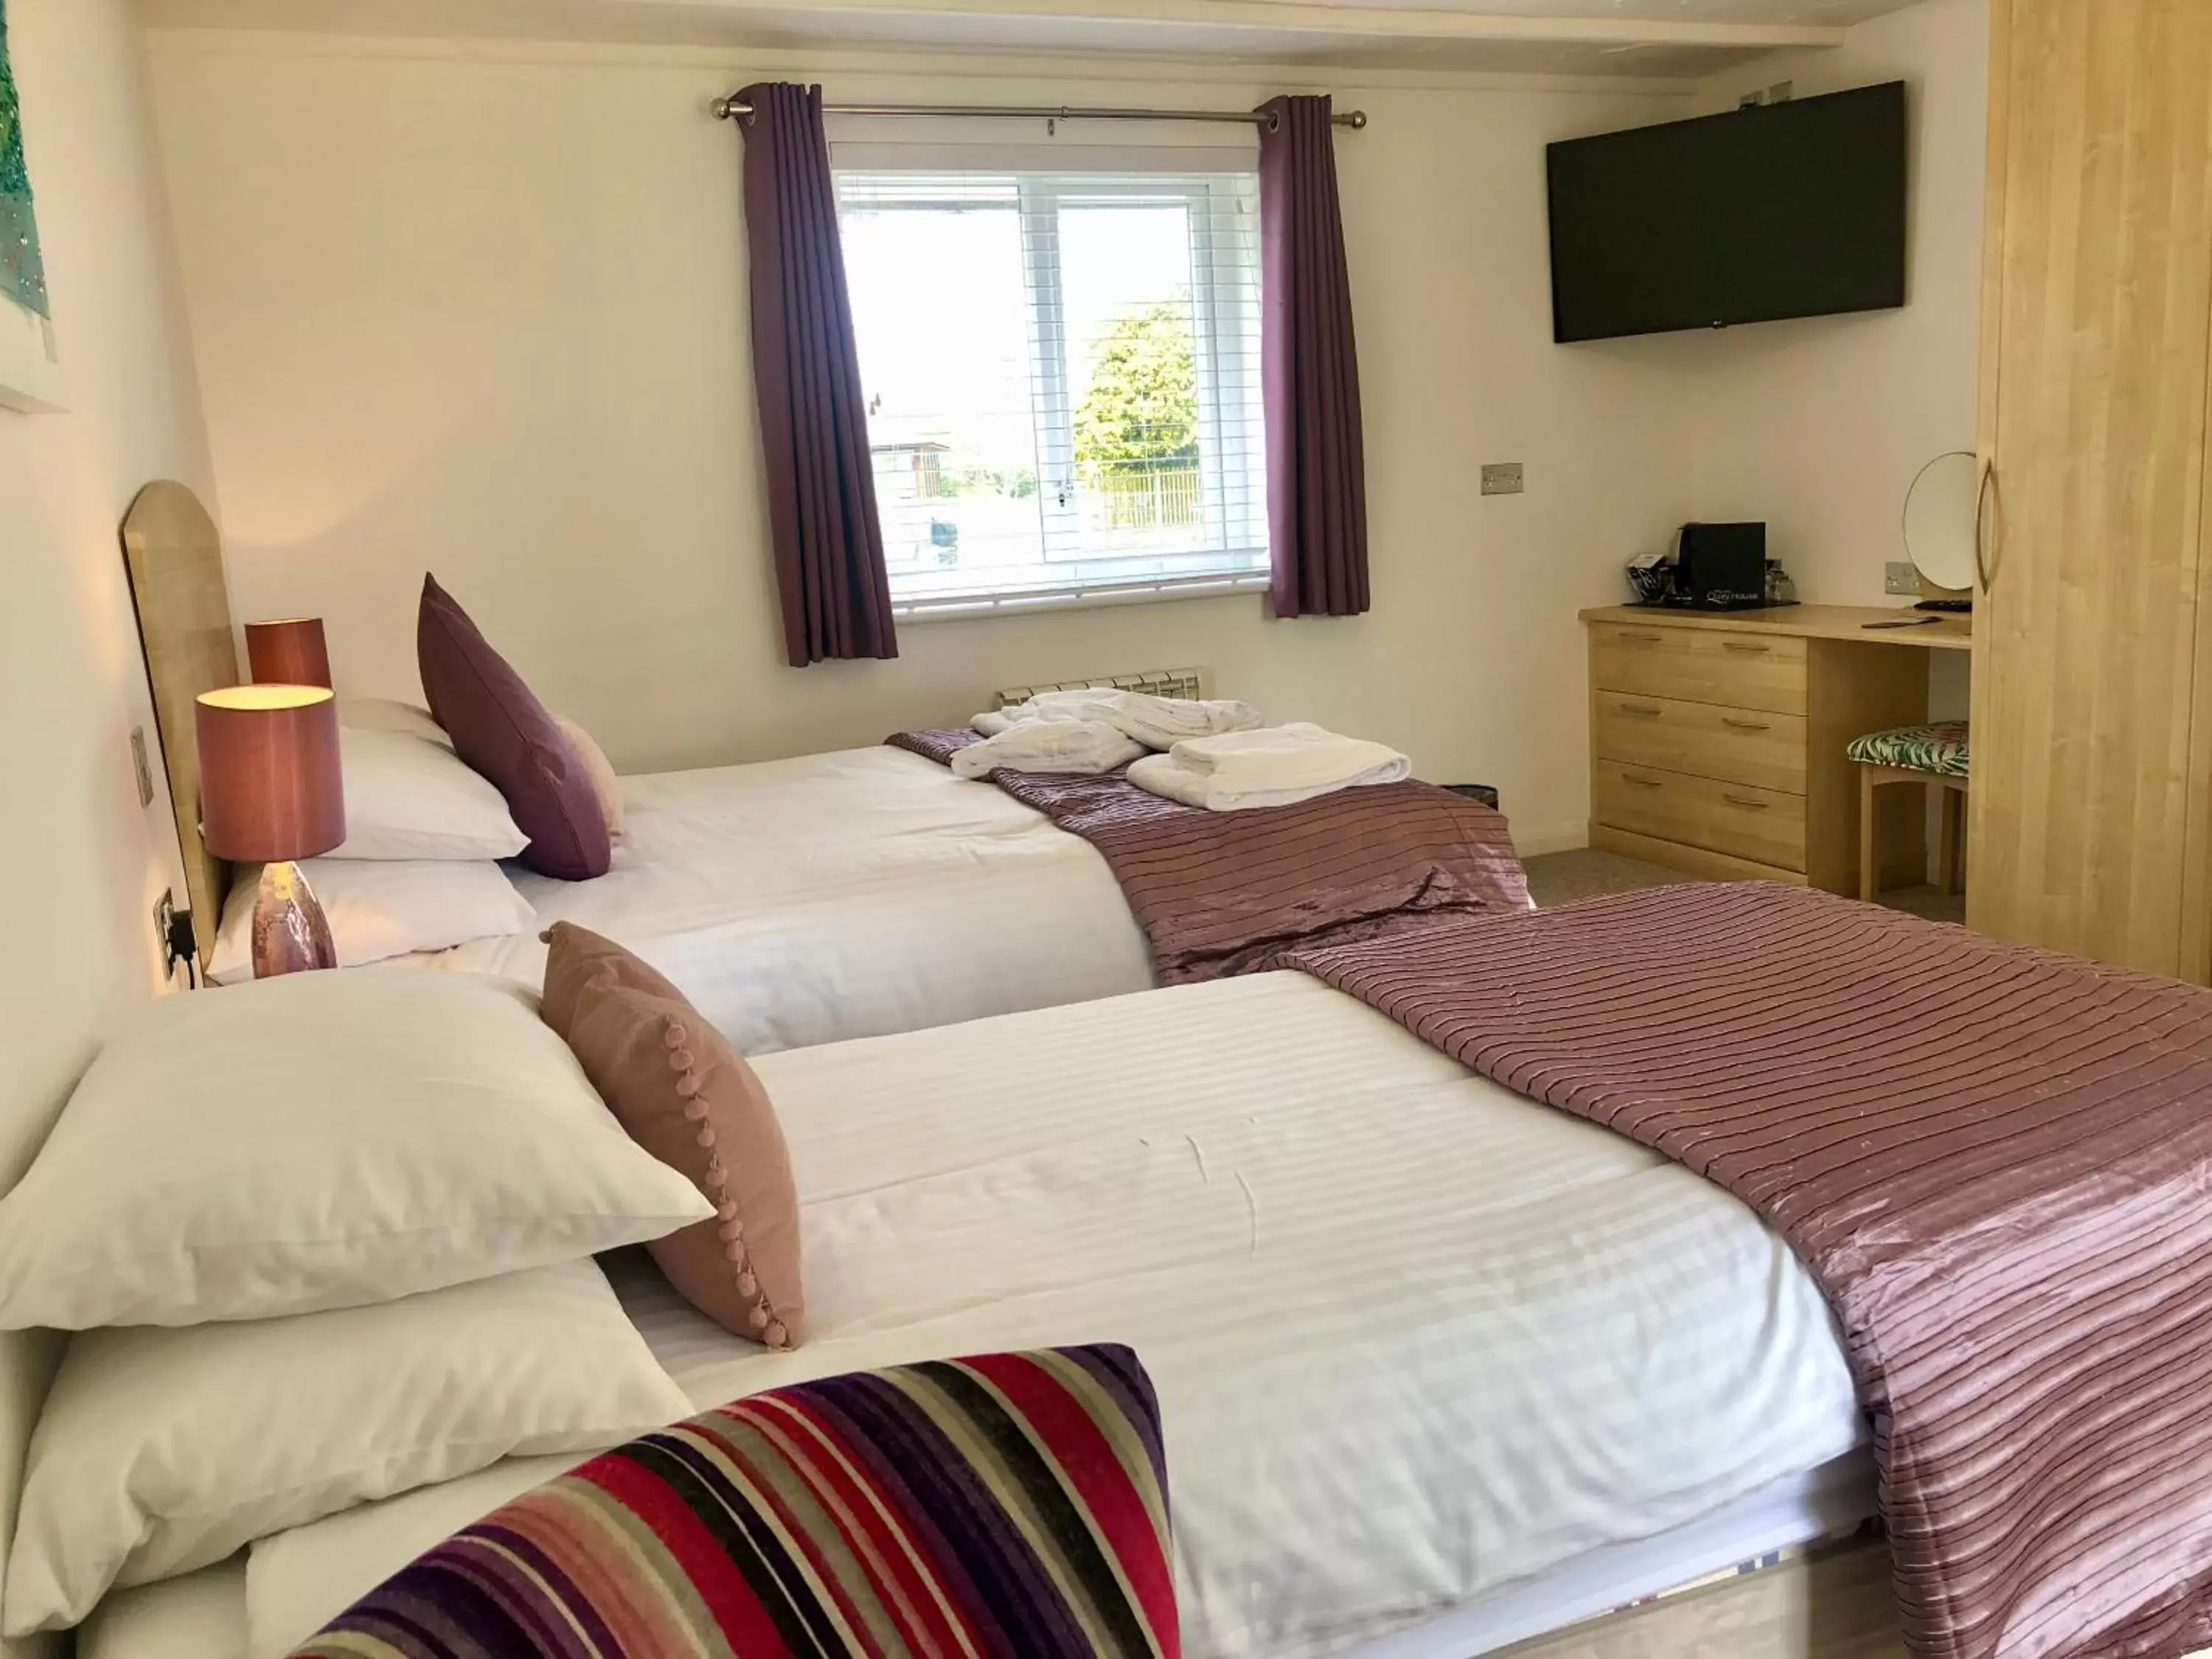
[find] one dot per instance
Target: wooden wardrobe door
(2091, 795)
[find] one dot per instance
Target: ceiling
(1664, 38)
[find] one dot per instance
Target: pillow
(321, 1140)
(1023, 1498)
(406, 797)
(159, 1452)
(688, 1098)
(300, 1579)
(392, 908)
(390, 714)
(606, 787)
(501, 729)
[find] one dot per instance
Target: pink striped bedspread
(1216, 893)
(1997, 1161)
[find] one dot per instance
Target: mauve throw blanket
(1997, 1163)
(1216, 893)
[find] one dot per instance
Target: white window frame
(1223, 210)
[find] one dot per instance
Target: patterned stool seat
(1939, 748)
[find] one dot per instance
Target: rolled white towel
(1088, 747)
(990, 724)
(1156, 722)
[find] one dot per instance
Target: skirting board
(1835, 1605)
(1691, 861)
(1535, 843)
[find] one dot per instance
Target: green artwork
(23, 272)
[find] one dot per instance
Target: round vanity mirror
(1942, 519)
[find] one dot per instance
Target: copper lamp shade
(270, 791)
(268, 772)
(287, 651)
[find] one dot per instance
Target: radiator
(1155, 682)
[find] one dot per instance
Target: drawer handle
(1639, 712)
(1742, 649)
(1747, 803)
(1746, 726)
(1642, 783)
(1639, 639)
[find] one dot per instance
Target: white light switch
(140, 764)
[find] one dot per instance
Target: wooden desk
(1717, 739)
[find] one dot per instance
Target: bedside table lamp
(287, 651)
(271, 790)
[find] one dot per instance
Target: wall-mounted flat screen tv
(1788, 210)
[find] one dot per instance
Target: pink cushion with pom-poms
(688, 1097)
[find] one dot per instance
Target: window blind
(1062, 377)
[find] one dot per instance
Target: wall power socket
(1900, 576)
(165, 929)
(174, 929)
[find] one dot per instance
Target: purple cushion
(503, 732)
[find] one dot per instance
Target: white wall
(1819, 427)
(85, 863)
(480, 309)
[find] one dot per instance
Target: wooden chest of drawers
(1718, 745)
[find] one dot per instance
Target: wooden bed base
(1832, 1605)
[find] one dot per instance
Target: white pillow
(390, 714)
(408, 798)
(161, 1450)
(300, 1579)
(144, 1623)
(381, 908)
(322, 1141)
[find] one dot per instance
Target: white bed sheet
(1417, 1342)
(844, 895)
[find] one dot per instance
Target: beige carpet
(1563, 877)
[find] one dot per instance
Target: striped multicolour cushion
(1010, 1505)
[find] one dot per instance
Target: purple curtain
(807, 371)
(1308, 370)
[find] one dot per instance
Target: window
(1062, 376)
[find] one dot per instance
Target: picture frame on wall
(30, 360)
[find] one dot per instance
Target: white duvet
(1416, 1340)
(843, 894)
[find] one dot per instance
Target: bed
(796, 902)
(842, 895)
(1442, 1369)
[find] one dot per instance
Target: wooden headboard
(177, 585)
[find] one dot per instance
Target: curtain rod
(730, 109)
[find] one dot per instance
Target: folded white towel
(1049, 746)
(1288, 758)
(990, 724)
(1278, 766)
(1156, 722)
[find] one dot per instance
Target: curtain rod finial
(1357, 121)
(727, 109)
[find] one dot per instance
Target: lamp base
(290, 933)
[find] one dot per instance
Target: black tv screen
(1790, 209)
